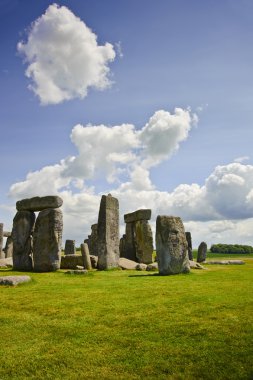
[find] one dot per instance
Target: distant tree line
(231, 248)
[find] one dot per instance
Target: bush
(231, 248)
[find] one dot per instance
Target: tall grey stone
(143, 241)
(93, 240)
(39, 203)
(189, 242)
(129, 251)
(23, 225)
(202, 249)
(2, 255)
(47, 240)
(108, 233)
(171, 246)
(70, 247)
(8, 250)
(86, 256)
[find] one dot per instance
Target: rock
(71, 261)
(127, 264)
(23, 225)
(77, 271)
(8, 250)
(86, 256)
(2, 254)
(141, 266)
(202, 249)
(189, 242)
(128, 245)
(14, 280)
(143, 242)
(93, 241)
(143, 214)
(94, 261)
(6, 263)
(194, 265)
(171, 246)
(108, 233)
(39, 203)
(79, 267)
(70, 247)
(7, 234)
(225, 262)
(152, 267)
(48, 240)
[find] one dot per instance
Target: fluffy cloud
(63, 57)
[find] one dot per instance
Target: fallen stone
(143, 214)
(94, 261)
(39, 203)
(226, 262)
(14, 280)
(141, 266)
(171, 246)
(71, 261)
(127, 264)
(152, 267)
(79, 267)
(194, 265)
(77, 271)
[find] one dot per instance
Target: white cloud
(241, 159)
(63, 57)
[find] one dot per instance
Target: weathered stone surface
(128, 245)
(143, 242)
(108, 233)
(14, 280)
(8, 250)
(23, 225)
(70, 247)
(189, 242)
(7, 263)
(171, 246)
(143, 214)
(2, 255)
(141, 266)
(48, 240)
(127, 264)
(122, 246)
(7, 233)
(194, 265)
(225, 262)
(39, 203)
(94, 261)
(71, 261)
(86, 256)
(202, 249)
(93, 240)
(77, 271)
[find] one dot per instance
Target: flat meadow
(120, 324)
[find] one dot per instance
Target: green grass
(129, 325)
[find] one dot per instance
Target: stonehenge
(137, 242)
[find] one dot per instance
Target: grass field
(130, 325)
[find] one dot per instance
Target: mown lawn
(129, 325)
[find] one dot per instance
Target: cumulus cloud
(63, 57)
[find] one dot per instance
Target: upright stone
(130, 246)
(189, 242)
(70, 247)
(86, 256)
(94, 240)
(171, 246)
(144, 242)
(47, 240)
(8, 250)
(2, 255)
(23, 225)
(108, 233)
(202, 249)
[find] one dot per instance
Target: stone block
(39, 203)
(142, 214)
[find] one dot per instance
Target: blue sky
(163, 55)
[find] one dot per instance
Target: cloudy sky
(148, 100)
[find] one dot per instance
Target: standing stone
(47, 240)
(144, 242)
(189, 242)
(8, 250)
(2, 255)
(70, 247)
(86, 256)
(23, 225)
(108, 233)
(171, 246)
(129, 243)
(202, 249)
(93, 246)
